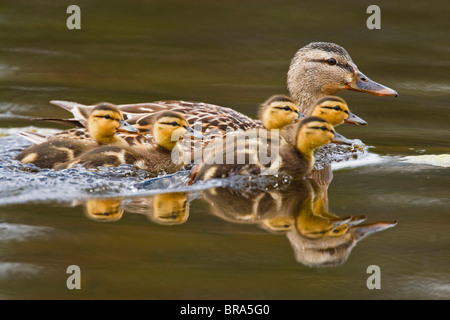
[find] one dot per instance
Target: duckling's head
(335, 110)
(314, 132)
(323, 68)
(169, 127)
(105, 121)
(279, 111)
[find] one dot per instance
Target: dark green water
(236, 54)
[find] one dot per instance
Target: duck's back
(54, 152)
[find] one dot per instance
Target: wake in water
(23, 183)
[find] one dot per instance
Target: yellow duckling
(278, 112)
(104, 122)
(166, 155)
(336, 111)
(294, 157)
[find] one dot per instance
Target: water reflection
(298, 209)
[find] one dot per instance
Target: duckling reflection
(300, 210)
(104, 209)
(166, 208)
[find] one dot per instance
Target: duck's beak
(194, 133)
(338, 138)
(362, 83)
(354, 119)
(301, 115)
(125, 126)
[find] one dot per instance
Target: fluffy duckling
(104, 122)
(166, 155)
(294, 157)
(278, 112)
(336, 111)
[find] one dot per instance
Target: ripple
(21, 232)
(15, 270)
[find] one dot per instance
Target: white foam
(365, 159)
(440, 160)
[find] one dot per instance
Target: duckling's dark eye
(331, 61)
(337, 108)
(287, 108)
(174, 123)
(323, 128)
(107, 117)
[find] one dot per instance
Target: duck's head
(105, 121)
(323, 68)
(279, 111)
(335, 110)
(314, 132)
(169, 127)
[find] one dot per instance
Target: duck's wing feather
(36, 138)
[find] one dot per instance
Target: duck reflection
(298, 208)
(166, 208)
(104, 210)
(318, 237)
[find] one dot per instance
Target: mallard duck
(103, 124)
(166, 155)
(317, 70)
(294, 157)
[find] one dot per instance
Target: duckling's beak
(362, 83)
(301, 115)
(194, 133)
(338, 138)
(125, 126)
(354, 119)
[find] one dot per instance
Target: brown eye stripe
(108, 117)
(286, 108)
(173, 123)
(323, 128)
(338, 64)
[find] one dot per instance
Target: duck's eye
(337, 108)
(323, 128)
(107, 116)
(331, 61)
(174, 123)
(287, 108)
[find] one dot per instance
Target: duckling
(336, 111)
(278, 112)
(293, 157)
(317, 70)
(104, 122)
(166, 155)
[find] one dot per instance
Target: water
(137, 237)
